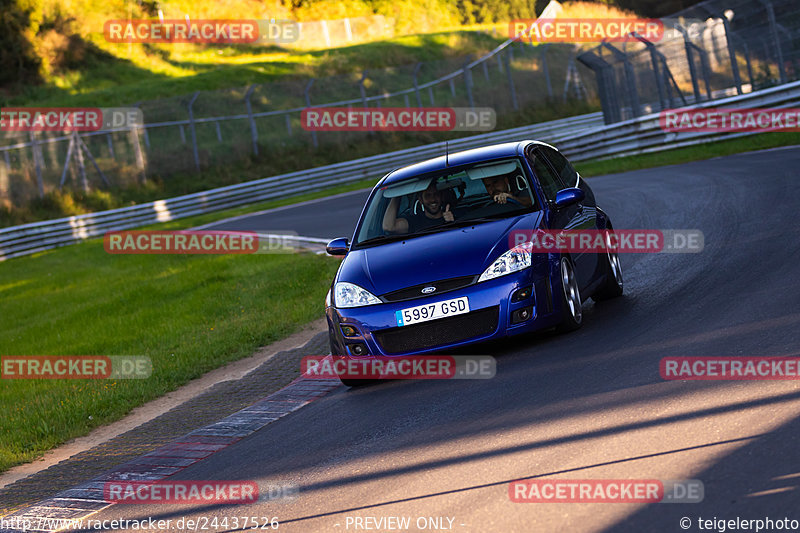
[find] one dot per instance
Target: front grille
(445, 285)
(438, 332)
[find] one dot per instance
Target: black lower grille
(438, 332)
(444, 285)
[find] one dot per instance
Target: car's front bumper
(492, 316)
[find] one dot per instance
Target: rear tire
(613, 285)
(572, 315)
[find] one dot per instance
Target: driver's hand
(448, 215)
(501, 198)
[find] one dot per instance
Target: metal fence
(712, 50)
(207, 129)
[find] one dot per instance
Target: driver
(499, 189)
(432, 213)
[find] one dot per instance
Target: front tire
(572, 315)
(613, 285)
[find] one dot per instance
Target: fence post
(67, 160)
(193, 132)
(430, 95)
(659, 76)
(546, 69)
(737, 80)
(5, 177)
(326, 34)
(362, 90)
(468, 83)
(706, 71)
(308, 104)
(37, 164)
(348, 32)
(253, 129)
(687, 44)
(137, 149)
(630, 79)
(749, 66)
(80, 144)
(288, 124)
(110, 142)
(416, 84)
(512, 90)
(773, 29)
(605, 84)
(81, 166)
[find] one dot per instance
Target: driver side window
(549, 181)
(562, 166)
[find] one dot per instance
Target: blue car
(434, 263)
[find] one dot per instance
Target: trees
(19, 22)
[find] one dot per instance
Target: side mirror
(572, 195)
(338, 246)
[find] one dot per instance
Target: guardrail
(581, 138)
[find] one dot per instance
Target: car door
(570, 217)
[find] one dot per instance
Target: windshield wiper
(384, 238)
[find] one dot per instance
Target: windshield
(430, 203)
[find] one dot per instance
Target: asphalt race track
(585, 405)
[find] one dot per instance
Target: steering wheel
(509, 199)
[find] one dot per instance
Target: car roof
(455, 159)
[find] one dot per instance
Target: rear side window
(549, 181)
(563, 167)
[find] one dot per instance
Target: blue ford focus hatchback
(434, 265)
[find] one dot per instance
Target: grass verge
(189, 314)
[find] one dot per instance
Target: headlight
(513, 260)
(351, 295)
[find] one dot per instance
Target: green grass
(189, 314)
(107, 77)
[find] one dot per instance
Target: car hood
(466, 251)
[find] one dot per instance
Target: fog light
(521, 315)
(521, 294)
(349, 331)
(358, 349)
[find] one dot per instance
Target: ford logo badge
(428, 290)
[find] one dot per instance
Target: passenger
(432, 213)
(499, 189)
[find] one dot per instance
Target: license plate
(423, 313)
